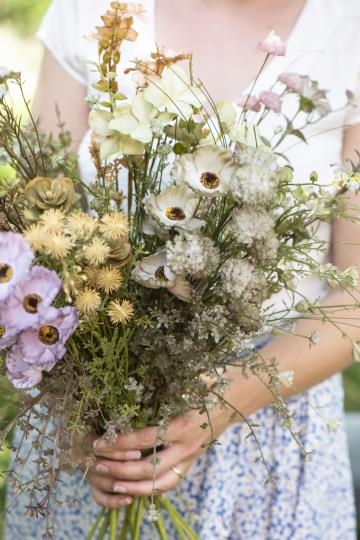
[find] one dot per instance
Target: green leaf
(299, 134)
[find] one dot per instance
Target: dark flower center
(160, 274)
(209, 180)
(48, 335)
(6, 273)
(31, 302)
(175, 213)
(2, 331)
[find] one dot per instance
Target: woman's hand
(119, 472)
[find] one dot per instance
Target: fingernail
(99, 443)
(125, 502)
(133, 454)
(102, 468)
(119, 489)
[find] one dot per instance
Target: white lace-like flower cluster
(192, 254)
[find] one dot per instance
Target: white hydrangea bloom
(236, 275)
(251, 223)
(255, 182)
(192, 254)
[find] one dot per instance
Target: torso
(216, 32)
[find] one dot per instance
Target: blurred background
(20, 51)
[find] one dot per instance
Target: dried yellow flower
(114, 226)
(36, 236)
(120, 312)
(58, 245)
(88, 301)
(109, 279)
(81, 225)
(53, 220)
(96, 252)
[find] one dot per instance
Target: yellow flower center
(209, 180)
(174, 213)
(160, 274)
(6, 273)
(48, 335)
(2, 331)
(31, 302)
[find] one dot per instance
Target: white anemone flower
(139, 120)
(208, 170)
(174, 207)
(174, 93)
(112, 143)
(154, 273)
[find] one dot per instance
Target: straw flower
(88, 301)
(120, 312)
(81, 225)
(52, 220)
(97, 251)
(57, 245)
(36, 236)
(109, 279)
(114, 226)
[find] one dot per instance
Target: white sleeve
(60, 32)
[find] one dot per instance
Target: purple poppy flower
(41, 347)
(8, 335)
(20, 373)
(15, 260)
(39, 287)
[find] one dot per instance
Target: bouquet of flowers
(127, 314)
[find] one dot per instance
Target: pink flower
(8, 335)
(15, 260)
(293, 81)
(271, 100)
(249, 103)
(40, 286)
(273, 44)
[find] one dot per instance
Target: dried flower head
(96, 252)
(120, 311)
(52, 220)
(114, 226)
(58, 245)
(88, 301)
(36, 236)
(109, 279)
(81, 225)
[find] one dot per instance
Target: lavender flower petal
(15, 260)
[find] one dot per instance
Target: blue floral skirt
(224, 496)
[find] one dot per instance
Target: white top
(324, 44)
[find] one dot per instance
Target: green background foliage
(24, 15)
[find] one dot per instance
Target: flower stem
(114, 518)
(95, 525)
(138, 519)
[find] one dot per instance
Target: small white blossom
(192, 254)
(208, 170)
(333, 424)
(174, 207)
(236, 275)
(255, 182)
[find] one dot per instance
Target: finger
(141, 439)
(109, 500)
(166, 482)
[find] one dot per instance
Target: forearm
(309, 364)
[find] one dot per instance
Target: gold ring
(178, 472)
